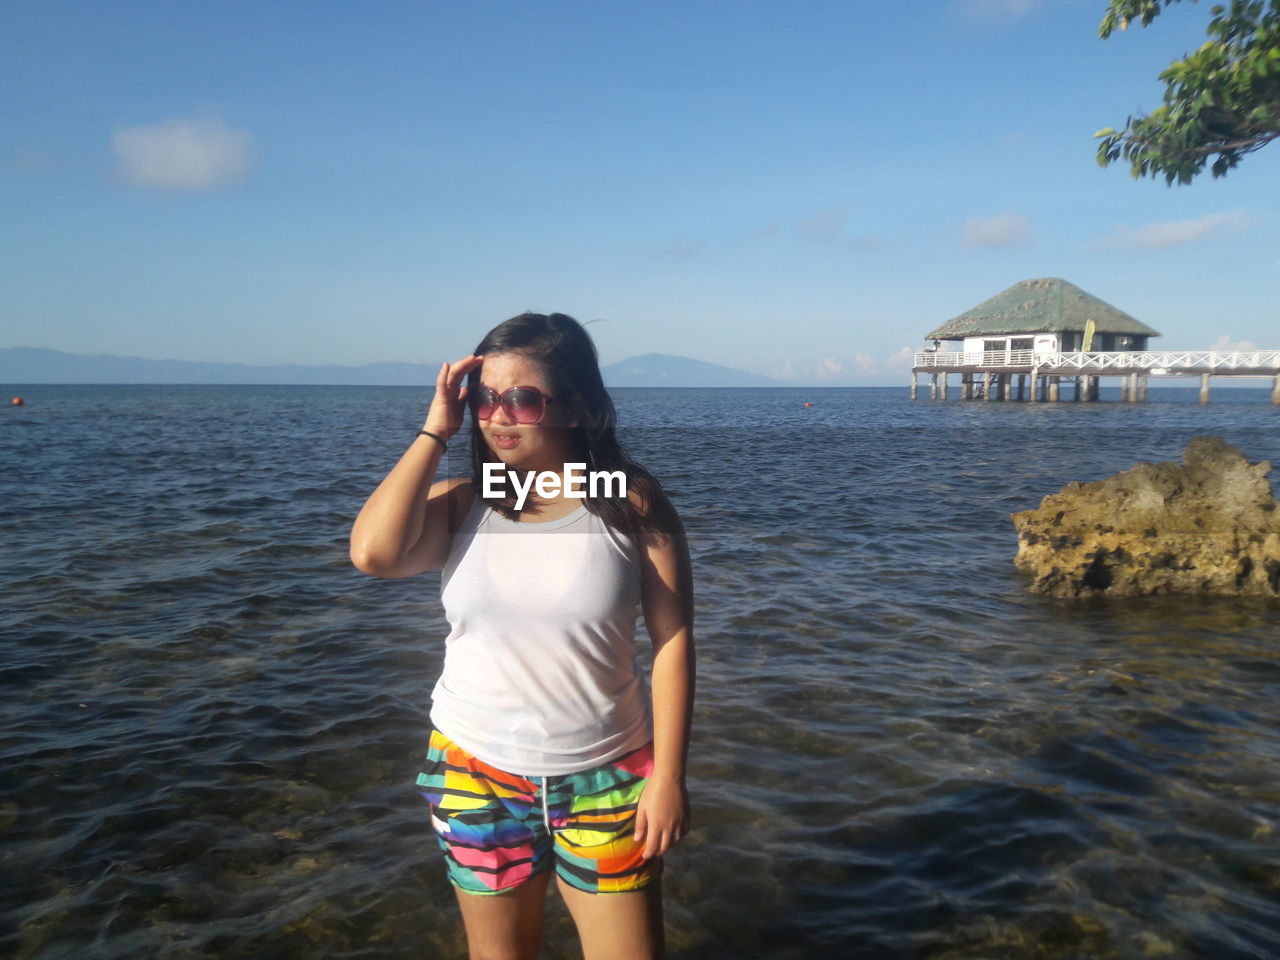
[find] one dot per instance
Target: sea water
(212, 722)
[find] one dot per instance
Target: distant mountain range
(665, 370)
(39, 365)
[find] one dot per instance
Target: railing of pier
(1170, 361)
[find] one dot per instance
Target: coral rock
(1209, 525)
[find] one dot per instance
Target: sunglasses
(522, 404)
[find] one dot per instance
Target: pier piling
(1037, 375)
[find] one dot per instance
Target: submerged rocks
(1208, 525)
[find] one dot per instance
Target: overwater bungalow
(1025, 341)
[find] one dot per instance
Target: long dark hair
(564, 350)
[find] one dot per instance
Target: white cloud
(825, 226)
(828, 368)
(183, 155)
(870, 366)
(822, 227)
(865, 363)
(902, 360)
(866, 243)
(1224, 344)
(863, 368)
(766, 233)
(1003, 230)
(1172, 233)
(680, 249)
(998, 9)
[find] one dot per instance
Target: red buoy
(18, 401)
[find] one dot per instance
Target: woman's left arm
(663, 816)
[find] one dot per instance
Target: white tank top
(541, 676)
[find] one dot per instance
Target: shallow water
(212, 722)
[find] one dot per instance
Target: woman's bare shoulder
(656, 514)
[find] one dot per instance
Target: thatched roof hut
(1045, 305)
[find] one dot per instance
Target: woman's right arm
(404, 527)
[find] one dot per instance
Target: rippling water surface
(211, 721)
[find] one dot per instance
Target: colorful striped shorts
(499, 829)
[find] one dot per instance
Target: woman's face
(526, 446)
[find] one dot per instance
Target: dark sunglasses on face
(522, 404)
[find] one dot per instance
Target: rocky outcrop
(1208, 525)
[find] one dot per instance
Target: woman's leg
(613, 893)
(488, 824)
(618, 926)
(505, 926)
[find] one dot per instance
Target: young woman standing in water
(548, 753)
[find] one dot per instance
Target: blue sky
(801, 189)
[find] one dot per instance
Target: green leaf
(1223, 92)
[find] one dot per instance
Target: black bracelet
(434, 436)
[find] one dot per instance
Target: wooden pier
(1038, 375)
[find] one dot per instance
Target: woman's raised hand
(445, 415)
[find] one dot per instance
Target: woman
(547, 754)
